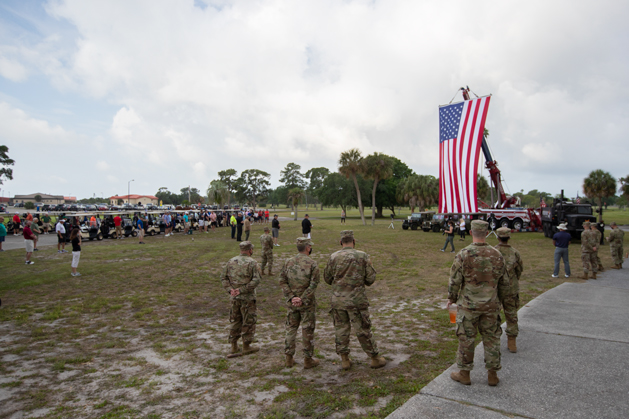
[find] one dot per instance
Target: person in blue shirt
(186, 224)
(561, 240)
(140, 227)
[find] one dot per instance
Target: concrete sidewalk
(571, 363)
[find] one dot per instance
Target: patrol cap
(613, 223)
(479, 225)
(266, 229)
(586, 224)
(503, 232)
(304, 240)
(347, 233)
(246, 246)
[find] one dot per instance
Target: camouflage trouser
(598, 260)
(617, 252)
(468, 324)
(243, 318)
(362, 327)
(510, 305)
(267, 257)
(305, 317)
(589, 262)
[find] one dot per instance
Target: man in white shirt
(61, 236)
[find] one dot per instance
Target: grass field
(143, 333)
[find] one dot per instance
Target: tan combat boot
(235, 348)
(289, 361)
(492, 378)
(615, 267)
(601, 268)
(584, 276)
(378, 362)
(248, 349)
(462, 377)
(310, 363)
(346, 363)
(511, 344)
(594, 275)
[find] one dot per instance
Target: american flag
(542, 203)
(461, 129)
(578, 199)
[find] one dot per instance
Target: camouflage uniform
(349, 271)
(267, 251)
(616, 237)
(477, 285)
(242, 272)
(513, 271)
(300, 278)
(588, 256)
(597, 239)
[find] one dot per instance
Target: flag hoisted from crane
(461, 128)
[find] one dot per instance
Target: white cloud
(12, 70)
(102, 166)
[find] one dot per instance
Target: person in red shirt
(266, 216)
(29, 242)
(118, 224)
(16, 224)
(29, 217)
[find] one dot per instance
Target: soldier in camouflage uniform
(596, 234)
(588, 251)
(513, 271)
(267, 250)
(240, 278)
(615, 239)
(477, 285)
(299, 279)
(349, 271)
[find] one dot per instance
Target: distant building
(134, 199)
(45, 198)
(69, 199)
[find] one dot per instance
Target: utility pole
(129, 191)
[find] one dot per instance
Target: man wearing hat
(267, 250)
(61, 236)
(615, 240)
(598, 237)
(513, 271)
(562, 240)
(477, 285)
(349, 271)
(240, 279)
(588, 251)
(299, 280)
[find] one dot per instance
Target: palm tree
(599, 184)
(294, 195)
(350, 166)
(218, 192)
(376, 166)
(420, 190)
(624, 186)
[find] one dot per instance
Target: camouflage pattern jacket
(348, 271)
(616, 237)
(300, 278)
(513, 266)
(266, 240)
(477, 278)
(597, 237)
(588, 241)
(241, 272)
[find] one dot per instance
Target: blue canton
(449, 120)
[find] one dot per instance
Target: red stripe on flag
(440, 177)
(467, 116)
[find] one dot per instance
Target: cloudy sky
(169, 92)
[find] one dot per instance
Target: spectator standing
(306, 226)
(232, 223)
(342, 216)
(16, 224)
(118, 225)
(29, 239)
(562, 240)
(140, 230)
(462, 228)
(36, 232)
(202, 221)
(75, 239)
(61, 236)
(275, 229)
(239, 224)
(267, 251)
(46, 220)
(3, 233)
(29, 217)
(213, 222)
(266, 216)
(186, 223)
(449, 236)
(247, 225)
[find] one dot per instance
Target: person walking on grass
(118, 225)
(61, 236)
(29, 239)
(140, 227)
(3, 233)
(462, 229)
(562, 240)
(275, 229)
(449, 236)
(342, 216)
(75, 239)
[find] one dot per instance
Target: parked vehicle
(419, 220)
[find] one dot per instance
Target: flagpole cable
(457, 91)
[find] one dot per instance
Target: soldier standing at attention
(299, 279)
(240, 279)
(513, 271)
(477, 285)
(588, 251)
(267, 250)
(597, 237)
(349, 271)
(615, 240)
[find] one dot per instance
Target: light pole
(129, 191)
